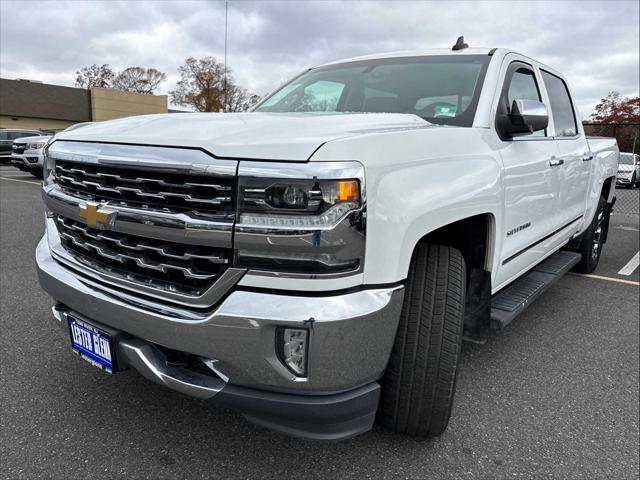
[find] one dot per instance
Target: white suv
(628, 170)
(26, 154)
(8, 135)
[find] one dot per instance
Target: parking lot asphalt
(554, 395)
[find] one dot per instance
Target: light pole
(226, 10)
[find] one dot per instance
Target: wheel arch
(475, 238)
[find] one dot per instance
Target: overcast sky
(594, 43)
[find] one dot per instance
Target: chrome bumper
(319, 417)
(28, 160)
(351, 334)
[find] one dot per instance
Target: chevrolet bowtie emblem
(93, 215)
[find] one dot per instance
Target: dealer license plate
(92, 344)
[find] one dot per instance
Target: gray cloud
(594, 43)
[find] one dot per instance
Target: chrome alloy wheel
(597, 237)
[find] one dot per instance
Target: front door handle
(555, 162)
(587, 157)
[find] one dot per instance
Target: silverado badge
(93, 215)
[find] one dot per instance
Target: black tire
(36, 173)
(633, 181)
(419, 384)
(592, 240)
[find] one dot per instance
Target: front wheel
(419, 384)
(593, 239)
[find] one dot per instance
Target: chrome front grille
(148, 188)
(170, 213)
(18, 148)
(175, 267)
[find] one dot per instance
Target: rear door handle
(587, 158)
(555, 162)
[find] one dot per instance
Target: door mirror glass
(525, 117)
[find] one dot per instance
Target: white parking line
(624, 227)
(608, 279)
(629, 268)
(16, 175)
(21, 181)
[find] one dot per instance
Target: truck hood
(36, 139)
(258, 136)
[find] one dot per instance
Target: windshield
(626, 159)
(440, 89)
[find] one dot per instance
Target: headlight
(301, 219)
(35, 146)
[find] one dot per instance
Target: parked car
(27, 154)
(628, 170)
(8, 135)
(316, 263)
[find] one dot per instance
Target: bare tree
(239, 99)
(94, 76)
(202, 87)
(138, 80)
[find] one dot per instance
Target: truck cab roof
(413, 53)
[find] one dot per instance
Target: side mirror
(526, 116)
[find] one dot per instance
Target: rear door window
(564, 118)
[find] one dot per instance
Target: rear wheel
(592, 240)
(419, 384)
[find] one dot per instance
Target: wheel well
(606, 187)
(472, 236)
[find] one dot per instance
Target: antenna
(226, 11)
(460, 45)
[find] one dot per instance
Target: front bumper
(623, 180)
(350, 339)
(28, 161)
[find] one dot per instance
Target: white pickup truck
(316, 263)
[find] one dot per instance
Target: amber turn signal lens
(349, 191)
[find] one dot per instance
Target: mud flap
(608, 210)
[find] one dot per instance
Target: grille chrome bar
(194, 268)
(114, 278)
(142, 245)
(196, 228)
(161, 182)
(181, 191)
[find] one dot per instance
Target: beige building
(34, 105)
(107, 104)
